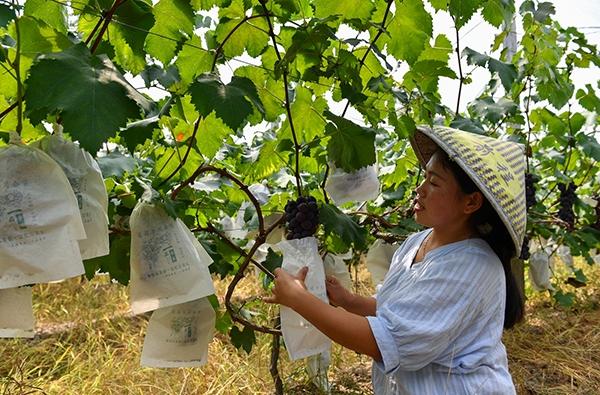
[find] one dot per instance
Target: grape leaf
(116, 263)
(7, 14)
(463, 10)
(115, 164)
(497, 12)
(347, 9)
(252, 36)
(53, 13)
(506, 71)
(232, 102)
(351, 146)
(273, 260)
(336, 222)
(414, 25)
(212, 133)
(492, 110)
(134, 18)
(174, 24)
(92, 97)
(193, 60)
(242, 339)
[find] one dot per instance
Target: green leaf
(463, 10)
(336, 222)
(212, 133)
(7, 14)
(233, 103)
(244, 339)
(590, 146)
(347, 9)
(414, 25)
(116, 263)
(543, 11)
(564, 299)
(115, 164)
(174, 24)
(308, 114)
(497, 12)
(441, 50)
(268, 162)
(252, 36)
(90, 94)
(351, 146)
(494, 111)
(134, 19)
(193, 60)
(53, 13)
(506, 71)
(467, 124)
(588, 100)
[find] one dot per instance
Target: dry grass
(88, 343)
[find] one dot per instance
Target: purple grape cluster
(301, 217)
(530, 181)
(566, 200)
(525, 254)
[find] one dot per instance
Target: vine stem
(287, 100)
(460, 72)
(220, 47)
(17, 66)
(93, 32)
(107, 18)
(372, 44)
(275, 348)
(528, 146)
(185, 156)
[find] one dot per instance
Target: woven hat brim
(425, 143)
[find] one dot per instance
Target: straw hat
(497, 167)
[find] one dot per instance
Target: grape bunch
(567, 198)
(530, 181)
(301, 217)
(525, 254)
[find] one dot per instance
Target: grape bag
(539, 271)
(379, 258)
(178, 336)
(358, 186)
(39, 219)
(301, 338)
(317, 367)
(16, 312)
(334, 266)
(85, 178)
(168, 264)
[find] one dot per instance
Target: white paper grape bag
(379, 258)
(16, 312)
(539, 271)
(39, 219)
(178, 336)
(166, 266)
(301, 338)
(85, 178)
(334, 266)
(358, 186)
(317, 367)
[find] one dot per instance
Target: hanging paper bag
(168, 264)
(39, 219)
(357, 186)
(178, 336)
(334, 266)
(317, 367)
(85, 178)
(301, 338)
(539, 271)
(16, 312)
(379, 258)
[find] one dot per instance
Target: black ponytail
(494, 232)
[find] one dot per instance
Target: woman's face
(440, 202)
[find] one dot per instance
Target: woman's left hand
(288, 289)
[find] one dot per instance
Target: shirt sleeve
(423, 316)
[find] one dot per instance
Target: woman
(436, 324)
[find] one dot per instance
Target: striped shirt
(439, 323)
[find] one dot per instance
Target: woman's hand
(338, 295)
(288, 289)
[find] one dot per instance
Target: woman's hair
(494, 232)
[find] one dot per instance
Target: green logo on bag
(17, 217)
(170, 253)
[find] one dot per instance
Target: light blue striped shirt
(439, 323)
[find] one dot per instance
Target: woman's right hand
(338, 295)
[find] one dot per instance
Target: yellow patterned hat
(497, 167)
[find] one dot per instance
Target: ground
(88, 342)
